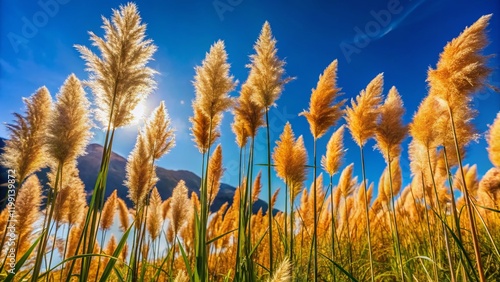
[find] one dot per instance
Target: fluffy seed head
(108, 211)
(159, 132)
(200, 129)
(212, 82)
(154, 219)
(215, 171)
(27, 211)
(322, 114)
(283, 272)
(494, 142)
(180, 207)
(247, 112)
(123, 214)
(335, 152)
(267, 69)
(390, 130)
(69, 130)
(120, 79)
(461, 69)
(283, 152)
(346, 182)
(141, 177)
(471, 181)
(257, 187)
(362, 115)
(24, 151)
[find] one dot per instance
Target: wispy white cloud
(407, 11)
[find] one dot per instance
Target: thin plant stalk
(315, 231)
(46, 227)
(396, 232)
(332, 225)
(445, 232)
(458, 230)
(368, 233)
(269, 194)
(433, 248)
(470, 214)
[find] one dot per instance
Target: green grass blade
(186, 260)
(220, 236)
(111, 263)
(23, 259)
(340, 268)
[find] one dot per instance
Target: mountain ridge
(88, 166)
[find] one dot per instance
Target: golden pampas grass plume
(69, 130)
(154, 218)
(390, 130)
(215, 171)
(123, 214)
(180, 207)
(283, 272)
(461, 69)
(266, 69)
(362, 115)
(159, 132)
(108, 211)
(24, 151)
(347, 183)
(322, 113)
(494, 142)
(141, 176)
(212, 82)
(120, 79)
(204, 133)
(332, 160)
(247, 111)
(27, 212)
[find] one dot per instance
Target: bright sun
(138, 113)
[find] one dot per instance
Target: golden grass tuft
(322, 114)
(257, 187)
(267, 70)
(119, 91)
(494, 142)
(362, 115)
(347, 183)
(283, 153)
(335, 152)
(154, 218)
(180, 207)
(212, 82)
(461, 69)
(24, 151)
(390, 130)
(204, 134)
(108, 211)
(27, 211)
(247, 111)
(215, 171)
(68, 132)
(141, 176)
(283, 272)
(123, 214)
(159, 132)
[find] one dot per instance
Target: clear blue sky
(310, 35)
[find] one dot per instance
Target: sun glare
(139, 113)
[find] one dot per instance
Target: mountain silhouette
(88, 165)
